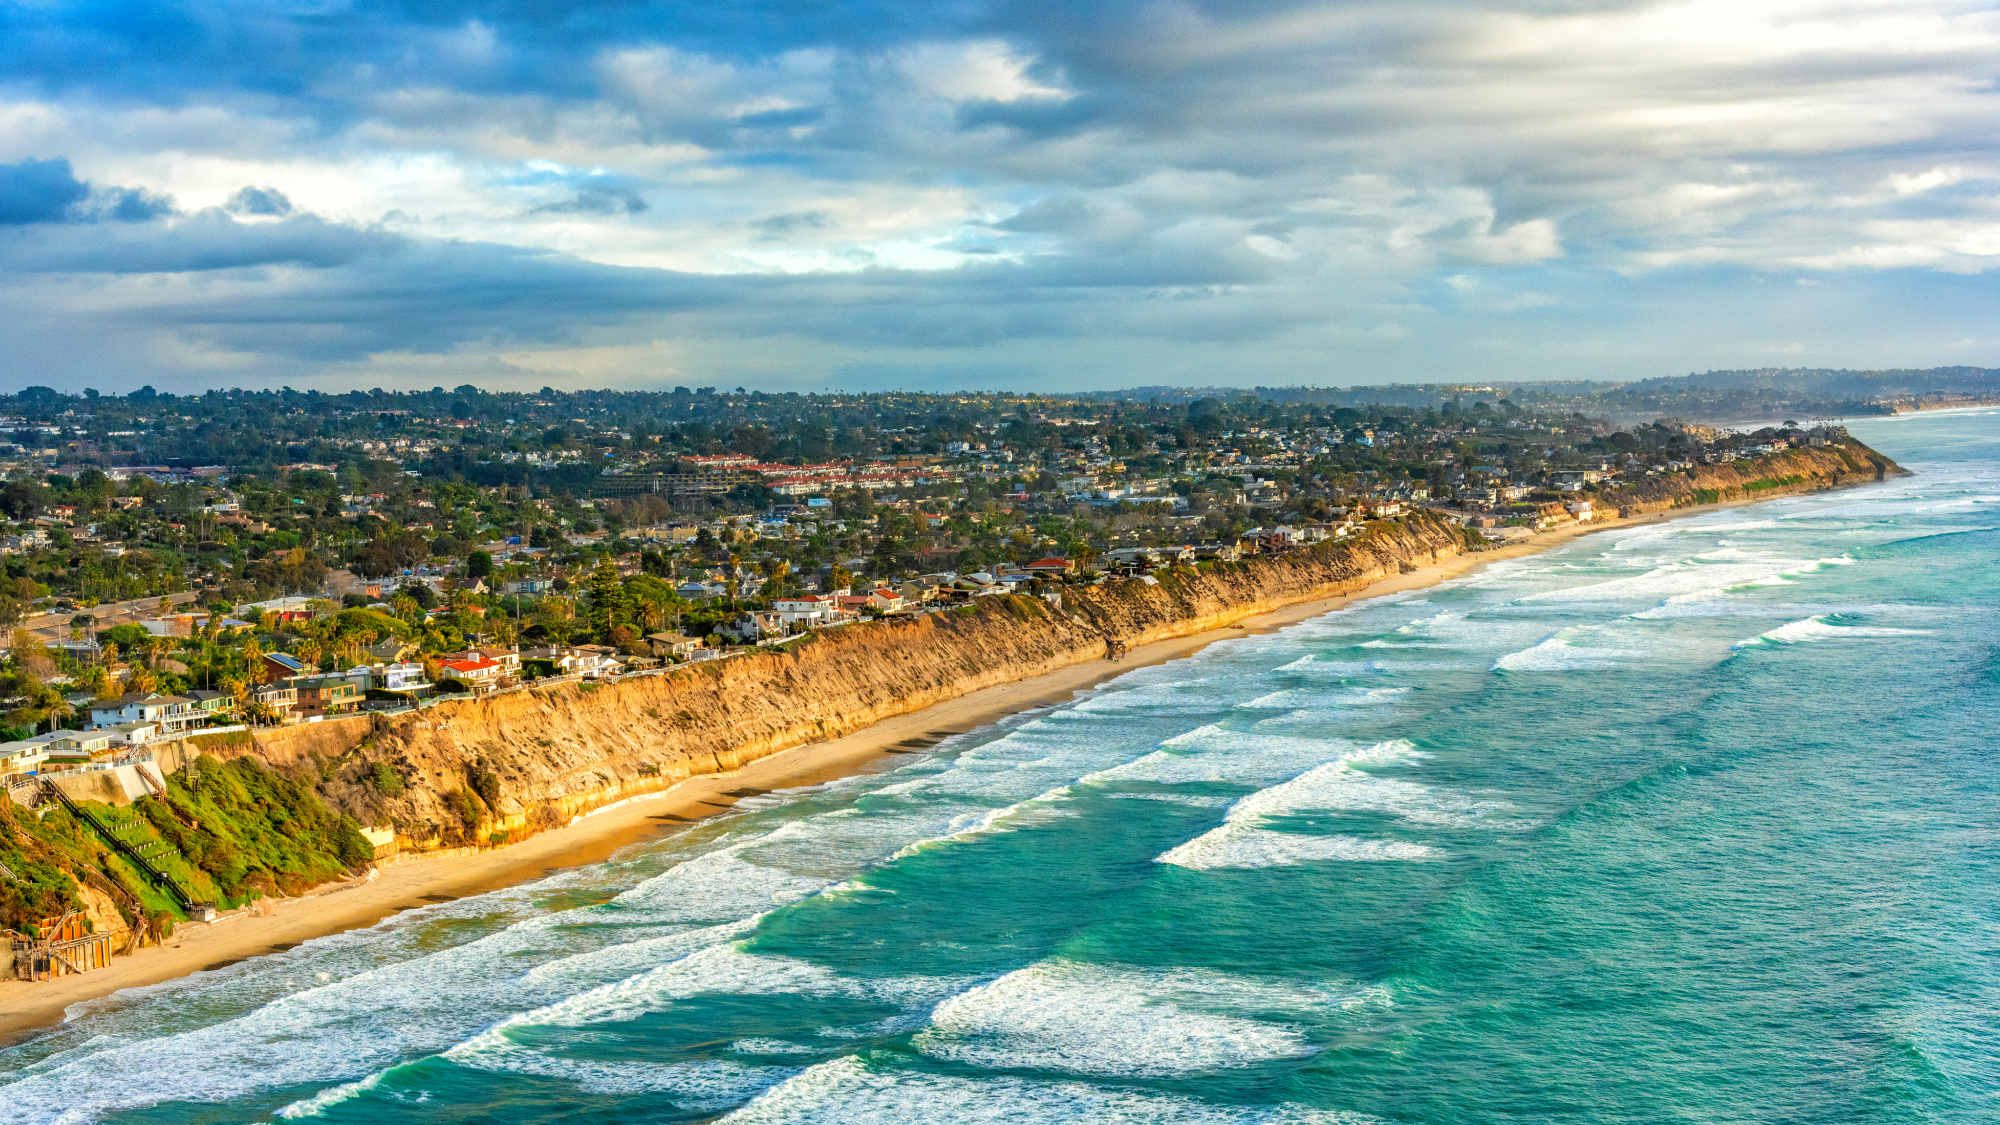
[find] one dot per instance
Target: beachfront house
(805, 610)
(171, 713)
(753, 626)
(278, 698)
(479, 673)
(673, 644)
(327, 695)
(18, 759)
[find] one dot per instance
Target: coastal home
(509, 658)
(673, 644)
(754, 626)
(478, 673)
(26, 756)
(1055, 566)
(597, 661)
(278, 698)
(171, 712)
(133, 734)
(78, 747)
(282, 666)
(588, 661)
(326, 695)
(881, 599)
(403, 677)
(805, 609)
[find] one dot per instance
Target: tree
(557, 617)
(608, 607)
(479, 565)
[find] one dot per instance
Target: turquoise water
(1684, 823)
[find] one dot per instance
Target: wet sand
(405, 883)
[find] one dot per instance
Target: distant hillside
(1725, 396)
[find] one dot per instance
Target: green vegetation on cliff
(228, 832)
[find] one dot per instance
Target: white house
(170, 712)
(806, 609)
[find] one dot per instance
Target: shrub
(385, 779)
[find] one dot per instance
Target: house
(327, 695)
(402, 677)
(278, 698)
(673, 644)
(1583, 510)
(133, 734)
(594, 661)
(1131, 557)
(295, 608)
(75, 747)
(25, 756)
(805, 609)
(509, 659)
(881, 599)
(282, 666)
(478, 673)
(172, 713)
(1053, 566)
(917, 592)
(171, 625)
(699, 592)
(589, 661)
(754, 626)
(393, 650)
(209, 706)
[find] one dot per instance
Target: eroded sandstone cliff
(1795, 470)
(490, 771)
(498, 769)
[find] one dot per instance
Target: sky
(848, 194)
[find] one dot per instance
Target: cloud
(259, 201)
(596, 200)
(873, 187)
(38, 191)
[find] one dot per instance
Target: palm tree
(60, 709)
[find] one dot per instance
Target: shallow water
(1691, 822)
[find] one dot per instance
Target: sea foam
(1818, 628)
(1244, 839)
(1107, 1020)
(849, 1091)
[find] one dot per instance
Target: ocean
(1687, 822)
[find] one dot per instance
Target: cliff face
(1795, 470)
(501, 768)
(490, 771)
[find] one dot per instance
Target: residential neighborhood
(266, 558)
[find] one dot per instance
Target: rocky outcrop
(498, 769)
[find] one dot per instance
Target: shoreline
(417, 880)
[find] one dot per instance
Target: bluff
(1790, 471)
(498, 769)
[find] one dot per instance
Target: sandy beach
(406, 883)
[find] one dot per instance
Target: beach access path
(411, 882)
